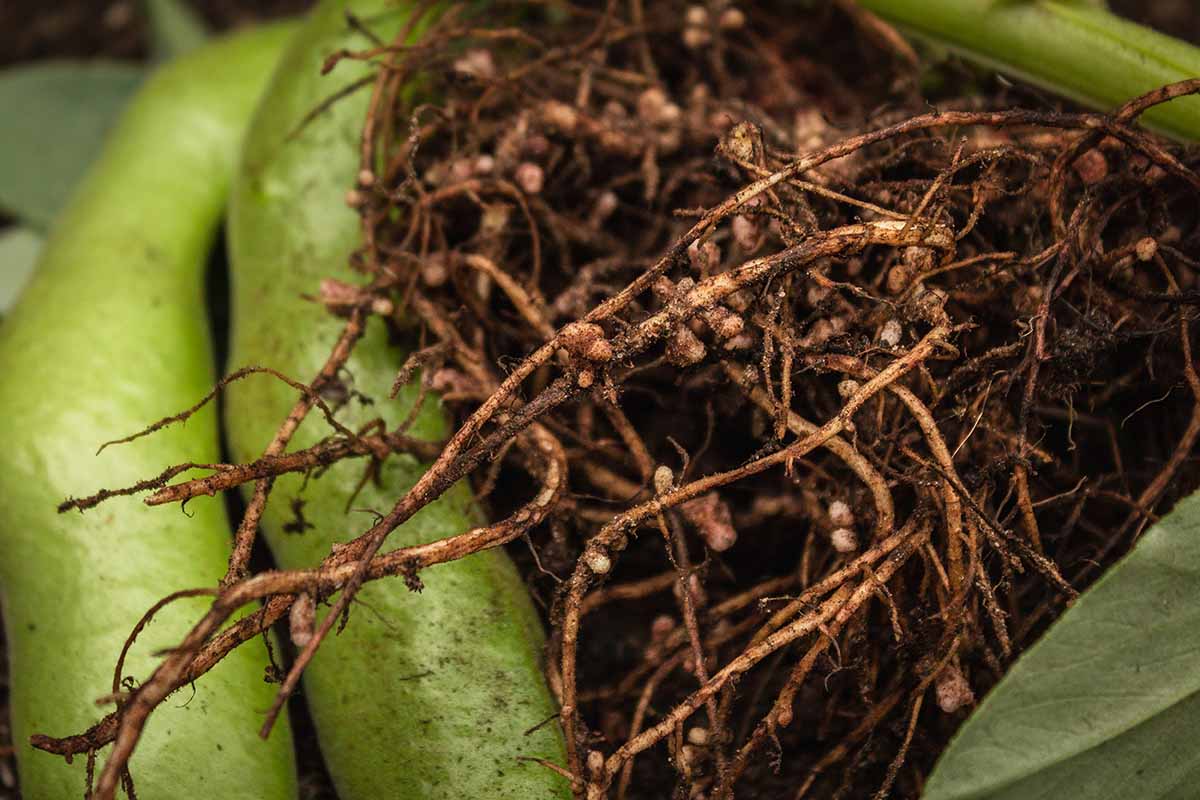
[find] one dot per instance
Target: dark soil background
(33, 30)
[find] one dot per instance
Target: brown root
(877, 393)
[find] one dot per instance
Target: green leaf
(19, 249)
(55, 117)
(174, 27)
(1107, 703)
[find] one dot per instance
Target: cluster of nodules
(583, 164)
(619, 114)
(574, 182)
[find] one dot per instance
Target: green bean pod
(421, 696)
(110, 335)
(1074, 48)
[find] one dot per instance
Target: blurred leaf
(19, 249)
(55, 117)
(1107, 703)
(174, 27)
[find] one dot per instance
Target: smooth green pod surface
(1071, 47)
(422, 695)
(110, 335)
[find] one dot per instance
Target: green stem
(110, 335)
(423, 696)
(1073, 48)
